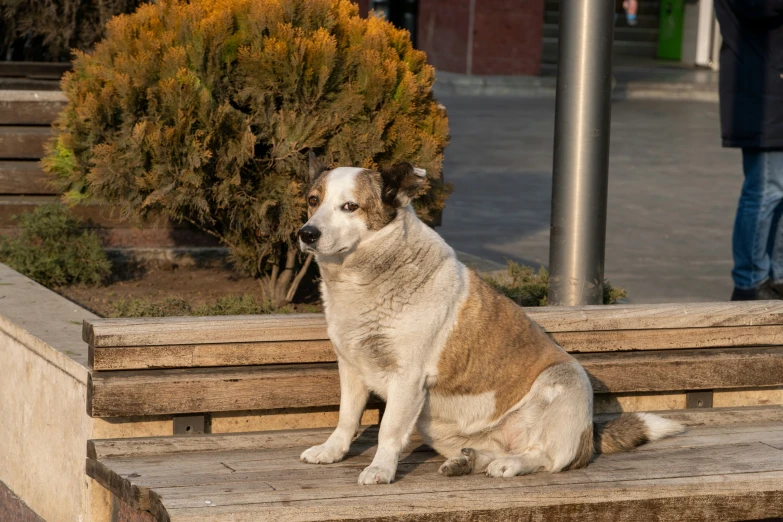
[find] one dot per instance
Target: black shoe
(765, 292)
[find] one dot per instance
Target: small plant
(205, 111)
(527, 287)
(54, 249)
(244, 304)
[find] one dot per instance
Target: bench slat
(259, 353)
(158, 392)
(242, 329)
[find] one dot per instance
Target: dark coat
(751, 73)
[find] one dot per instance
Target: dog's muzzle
(309, 235)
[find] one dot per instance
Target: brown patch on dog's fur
(585, 452)
(373, 210)
(494, 347)
(621, 434)
(317, 189)
(380, 349)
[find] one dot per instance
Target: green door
(670, 29)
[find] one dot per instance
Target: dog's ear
(316, 167)
(402, 183)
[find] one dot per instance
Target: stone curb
(450, 84)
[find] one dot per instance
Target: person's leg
(762, 191)
(775, 243)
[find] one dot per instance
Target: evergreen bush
(206, 111)
(54, 249)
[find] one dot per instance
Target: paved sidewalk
(672, 192)
(639, 83)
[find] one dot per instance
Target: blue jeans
(758, 231)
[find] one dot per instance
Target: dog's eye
(350, 207)
(312, 201)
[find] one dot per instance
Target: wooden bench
(728, 466)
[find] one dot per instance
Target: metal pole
(581, 164)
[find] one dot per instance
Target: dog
(484, 385)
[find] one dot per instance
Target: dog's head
(347, 205)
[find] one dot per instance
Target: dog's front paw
(323, 454)
(376, 475)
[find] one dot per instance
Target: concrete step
(639, 49)
(645, 21)
(627, 34)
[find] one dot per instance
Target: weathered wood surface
(23, 142)
(176, 330)
(127, 344)
(713, 472)
(295, 351)
(30, 107)
(23, 177)
(206, 355)
(158, 392)
(34, 69)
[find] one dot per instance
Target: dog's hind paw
(462, 465)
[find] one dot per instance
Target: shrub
(230, 305)
(49, 29)
(527, 287)
(206, 112)
(54, 249)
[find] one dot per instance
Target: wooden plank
(36, 69)
(299, 485)
(101, 449)
(242, 486)
(23, 177)
(30, 107)
(643, 317)
(206, 355)
(23, 142)
(159, 392)
(715, 498)
(556, 320)
(249, 354)
(151, 392)
(669, 338)
(698, 369)
(204, 330)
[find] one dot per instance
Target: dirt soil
(195, 285)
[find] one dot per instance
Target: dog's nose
(309, 234)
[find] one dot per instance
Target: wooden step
(23, 142)
(23, 177)
(162, 392)
(53, 70)
(727, 466)
(19, 107)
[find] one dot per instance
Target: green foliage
(527, 287)
(244, 304)
(54, 249)
(48, 29)
(205, 111)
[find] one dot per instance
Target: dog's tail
(630, 430)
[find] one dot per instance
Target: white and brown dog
(484, 385)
